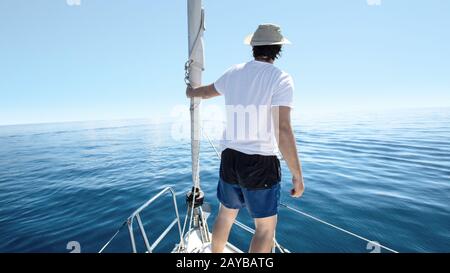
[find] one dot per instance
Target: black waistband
(250, 171)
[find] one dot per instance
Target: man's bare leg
(262, 241)
(222, 227)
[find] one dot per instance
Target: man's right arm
(286, 144)
(205, 92)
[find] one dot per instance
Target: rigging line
(336, 227)
(188, 215)
(114, 236)
(184, 225)
(210, 142)
(313, 217)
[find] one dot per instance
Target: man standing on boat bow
(258, 98)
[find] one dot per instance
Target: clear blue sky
(113, 59)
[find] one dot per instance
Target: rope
(313, 217)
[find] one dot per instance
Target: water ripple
(385, 177)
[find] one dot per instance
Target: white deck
(195, 244)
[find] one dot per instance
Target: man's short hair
(267, 51)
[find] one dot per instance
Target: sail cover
(195, 67)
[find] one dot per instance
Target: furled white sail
(195, 68)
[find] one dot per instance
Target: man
(258, 98)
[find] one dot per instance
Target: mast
(195, 66)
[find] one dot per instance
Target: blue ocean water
(384, 176)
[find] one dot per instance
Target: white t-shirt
(250, 90)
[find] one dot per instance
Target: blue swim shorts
(260, 203)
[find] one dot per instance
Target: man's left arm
(205, 92)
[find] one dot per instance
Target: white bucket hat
(266, 34)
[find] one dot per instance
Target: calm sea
(383, 176)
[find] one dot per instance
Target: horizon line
(168, 119)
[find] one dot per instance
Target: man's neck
(264, 59)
